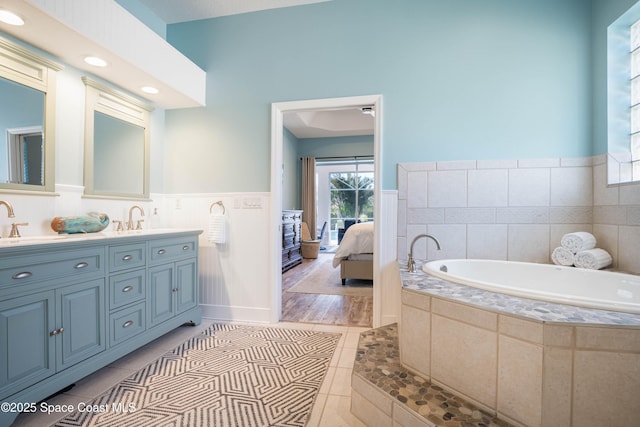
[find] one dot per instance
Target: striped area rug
(230, 375)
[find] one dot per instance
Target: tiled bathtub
(530, 362)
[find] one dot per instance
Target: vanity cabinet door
(27, 350)
(161, 294)
(186, 285)
(82, 317)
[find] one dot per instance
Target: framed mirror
(116, 153)
(27, 120)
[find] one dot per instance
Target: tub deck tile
(378, 362)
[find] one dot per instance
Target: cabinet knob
(127, 257)
(186, 247)
(81, 265)
(22, 275)
(56, 332)
(128, 288)
(162, 251)
(175, 289)
(127, 323)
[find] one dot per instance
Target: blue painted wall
(460, 79)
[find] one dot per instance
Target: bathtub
(558, 284)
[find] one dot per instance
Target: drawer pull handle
(56, 332)
(127, 323)
(127, 257)
(81, 265)
(127, 288)
(22, 275)
(186, 247)
(162, 251)
(175, 289)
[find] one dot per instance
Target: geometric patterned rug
(228, 376)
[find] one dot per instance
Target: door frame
(277, 164)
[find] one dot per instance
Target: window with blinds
(634, 44)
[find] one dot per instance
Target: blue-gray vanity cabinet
(173, 279)
(71, 307)
(27, 350)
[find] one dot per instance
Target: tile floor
(332, 407)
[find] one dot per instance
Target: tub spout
(411, 265)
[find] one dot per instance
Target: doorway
(277, 167)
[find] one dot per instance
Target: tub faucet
(130, 222)
(411, 265)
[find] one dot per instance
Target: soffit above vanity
(73, 29)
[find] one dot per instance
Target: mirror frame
(104, 99)
(27, 68)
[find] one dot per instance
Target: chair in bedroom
(347, 223)
(309, 247)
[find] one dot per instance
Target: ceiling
(174, 11)
(329, 123)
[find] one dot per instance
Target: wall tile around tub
(488, 187)
(456, 165)
(611, 380)
(633, 215)
(628, 249)
(521, 329)
(603, 195)
(615, 215)
(417, 354)
(607, 239)
(402, 176)
(528, 243)
(571, 215)
(497, 164)
(539, 163)
(630, 194)
(612, 339)
(466, 356)
(556, 383)
(402, 217)
(447, 189)
(470, 215)
(487, 241)
(452, 238)
(529, 187)
(465, 313)
(520, 380)
(425, 216)
(571, 187)
(417, 189)
(533, 215)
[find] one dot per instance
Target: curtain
(309, 193)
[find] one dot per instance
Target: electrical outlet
(252, 203)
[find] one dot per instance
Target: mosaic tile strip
(507, 304)
(378, 362)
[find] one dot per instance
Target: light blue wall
(460, 79)
(290, 172)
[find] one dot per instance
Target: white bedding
(358, 239)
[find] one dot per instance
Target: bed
(355, 253)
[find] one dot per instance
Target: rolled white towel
(217, 228)
(578, 241)
(562, 256)
(593, 259)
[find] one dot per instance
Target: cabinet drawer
(127, 256)
(172, 249)
(126, 323)
(47, 266)
(126, 288)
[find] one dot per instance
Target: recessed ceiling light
(10, 18)
(95, 61)
(149, 89)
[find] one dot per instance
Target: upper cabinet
(27, 120)
(135, 55)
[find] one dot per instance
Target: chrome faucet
(411, 265)
(130, 222)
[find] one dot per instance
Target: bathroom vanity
(71, 304)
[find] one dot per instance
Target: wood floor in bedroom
(317, 308)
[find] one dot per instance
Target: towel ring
(219, 202)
